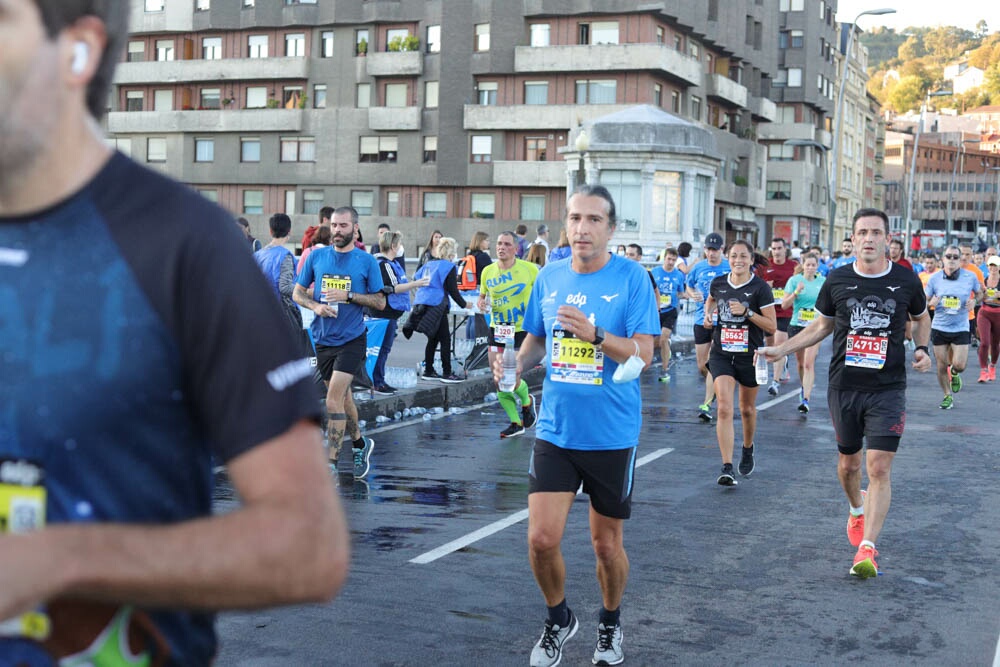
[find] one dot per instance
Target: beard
(342, 241)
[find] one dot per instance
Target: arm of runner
(301, 296)
(528, 356)
(766, 319)
(374, 301)
(619, 348)
(789, 299)
(921, 331)
(817, 330)
(287, 543)
(709, 310)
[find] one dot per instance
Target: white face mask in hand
(631, 369)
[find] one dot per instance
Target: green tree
(981, 28)
(912, 49)
(907, 94)
(991, 81)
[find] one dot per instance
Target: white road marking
(506, 522)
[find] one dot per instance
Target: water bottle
(509, 363)
(760, 365)
(397, 415)
(382, 419)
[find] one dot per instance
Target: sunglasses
(952, 256)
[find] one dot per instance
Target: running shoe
(609, 645)
(430, 374)
(865, 566)
(993, 373)
(548, 649)
(856, 525)
(804, 406)
(984, 376)
(451, 378)
(664, 377)
(772, 389)
(512, 430)
(956, 381)
(746, 460)
(704, 412)
(726, 477)
(947, 403)
(384, 390)
(529, 413)
(362, 458)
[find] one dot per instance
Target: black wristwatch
(388, 289)
(350, 297)
(922, 347)
(598, 335)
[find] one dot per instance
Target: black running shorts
(878, 416)
(668, 320)
(346, 358)
(519, 337)
(782, 323)
(950, 337)
(702, 335)
(737, 366)
(606, 475)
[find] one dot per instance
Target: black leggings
(441, 337)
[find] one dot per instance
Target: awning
(741, 225)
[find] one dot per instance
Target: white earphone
(81, 52)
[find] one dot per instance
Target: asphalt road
(754, 575)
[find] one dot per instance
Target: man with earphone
(146, 348)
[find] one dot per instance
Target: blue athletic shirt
(365, 277)
(700, 278)
(951, 315)
(618, 297)
(806, 300)
(670, 283)
(139, 340)
(842, 261)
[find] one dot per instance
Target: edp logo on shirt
(579, 299)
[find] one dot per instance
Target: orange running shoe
(993, 373)
(984, 376)
(856, 524)
(865, 566)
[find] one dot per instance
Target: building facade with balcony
(435, 116)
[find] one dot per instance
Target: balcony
(725, 90)
(523, 174)
(534, 116)
(609, 58)
(161, 122)
(825, 138)
(394, 118)
(394, 63)
(782, 131)
(763, 109)
(219, 71)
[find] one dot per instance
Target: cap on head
(713, 241)
(993, 261)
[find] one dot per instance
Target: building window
(122, 144)
(536, 92)
(256, 97)
(796, 39)
(204, 150)
(397, 94)
(291, 96)
(482, 148)
(604, 32)
(136, 52)
(211, 48)
(360, 42)
(392, 203)
(794, 77)
(791, 5)
(433, 39)
(626, 189)
(696, 107)
(678, 43)
(164, 49)
(312, 201)
(536, 149)
(319, 96)
(154, 5)
(483, 205)
(363, 201)
(253, 201)
(378, 149)
(250, 150)
(675, 101)
(583, 33)
(202, 5)
(596, 91)
(487, 94)
(713, 10)
(435, 205)
(156, 149)
(430, 149)
(482, 37)
(694, 50)
(211, 194)
(211, 98)
(660, 35)
(298, 149)
(657, 95)
(532, 207)
(163, 100)
(248, 3)
(364, 96)
(326, 44)
(290, 202)
(257, 46)
(133, 100)
(295, 45)
(540, 34)
(395, 38)
(780, 190)
(431, 94)
(780, 152)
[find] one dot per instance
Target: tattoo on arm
(301, 296)
(375, 301)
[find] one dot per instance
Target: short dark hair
(589, 190)
(280, 225)
(542, 229)
(383, 225)
(869, 213)
(347, 209)
(778, 239)
(243, 222)
(60, 14)
(636, 247)
(513, 237)
(521, 229)
(325, 213)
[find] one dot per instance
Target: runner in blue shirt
(699, 280)
(594, 316)
(846, 257)
(670, 283)
(345, 280)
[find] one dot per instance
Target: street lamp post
(996, 202)
(834, 172)
(581, 144)
(913, 161)
(830, 202)
(951, 188)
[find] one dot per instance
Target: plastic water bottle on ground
(382, 419)
(509, 363)
(490, 397)
(760, 365)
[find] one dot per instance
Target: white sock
(857, 511)
(866, 543)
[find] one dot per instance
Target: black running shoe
(529, 413)
(727, 478)
(746, 461)
(512, 430)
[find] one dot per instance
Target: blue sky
(961, 13)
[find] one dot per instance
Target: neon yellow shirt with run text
(508, 291)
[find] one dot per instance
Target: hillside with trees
(904, 66)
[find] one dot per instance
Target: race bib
(735, 339)
(779, 294)
(503, 333)
(336, 282)
(951, 304)
(991, 293)
(807, 315)
(575, 361)
(666, 300)
(866, 351)
(22, 509)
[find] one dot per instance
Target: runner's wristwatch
(599, 334)
(922, 347)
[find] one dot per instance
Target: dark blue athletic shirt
(139, 340)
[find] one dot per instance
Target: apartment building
(456, 116)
